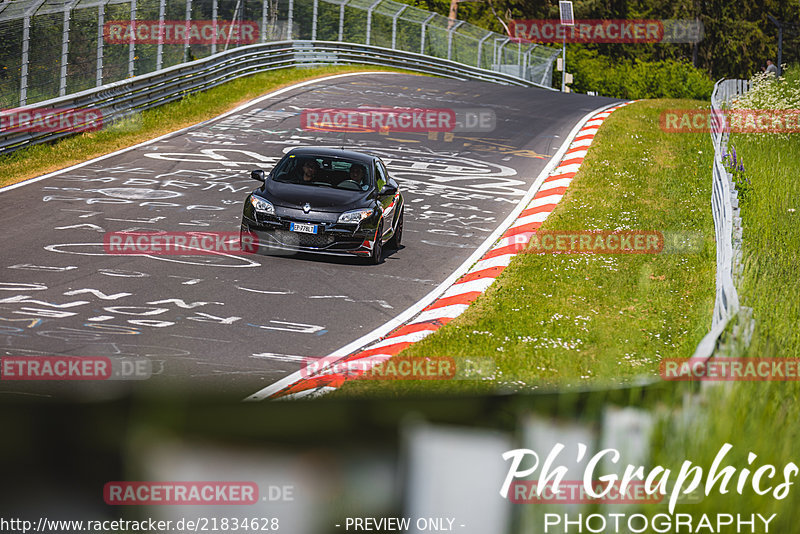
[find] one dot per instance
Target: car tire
(397, 238)
(377, 248)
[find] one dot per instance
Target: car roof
(332, 152)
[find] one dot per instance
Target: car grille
(298, 239)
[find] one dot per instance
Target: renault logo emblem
(306, 207)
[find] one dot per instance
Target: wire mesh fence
(51, 48)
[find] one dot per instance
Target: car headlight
(354, 216)
(262, 205)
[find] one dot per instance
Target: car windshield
(323, 171)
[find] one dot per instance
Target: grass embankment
(558, 320)
(759, 417)
(41, 159)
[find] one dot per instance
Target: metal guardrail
(52, 48)
(727, 222)
(118, 100)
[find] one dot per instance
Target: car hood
(320, 198)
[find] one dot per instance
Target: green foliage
(739, 37)
(563, 320)
(668, 78)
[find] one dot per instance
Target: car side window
(380, 175)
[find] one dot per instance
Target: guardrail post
(264, 20)
(422, 34)
(341, 20)
(453, 27)
(160, 47)
(132, 45)
(188, 30)
(527, 63)
(480, 48)
(314, 21)
(394, 26)
(101, 16)
(290, 20)
(499, 52)
(214, 8)
(369, 19)
(26, 47)
(26, 40)
(62, 85)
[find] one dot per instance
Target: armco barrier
(120, 99)
(727, 223)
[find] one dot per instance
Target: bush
(636, 79)
(767, 92)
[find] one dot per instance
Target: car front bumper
(274, 237)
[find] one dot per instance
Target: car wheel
(397, 238)
(377, 248)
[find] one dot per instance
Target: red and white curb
(457, 296)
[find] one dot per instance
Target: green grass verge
(562, 320)
(41, 159)
(758, 417)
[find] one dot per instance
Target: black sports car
(327, 201)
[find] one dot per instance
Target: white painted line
(451, 312)
(577, 154)
(582, 142)
(468, 287)
(561, 182)
(413, 310)
(536, 217)
(497, 261)
(518, 239)
(543, 201)
(176, 132)
(407, 338)
(572, 167)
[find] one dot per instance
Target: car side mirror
(387, 189)
(259, 175)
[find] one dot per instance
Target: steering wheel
(349, 184)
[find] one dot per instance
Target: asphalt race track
(233, 324)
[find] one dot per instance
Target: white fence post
(394, 26)
(188, 19)
(101, 17)
(341, 20)
(290, 16)
(452, 29)
(480, 48)
(214, 13)
(369, 19)
(160, 47)
(132, 45)
(422, 33)
(314, 21)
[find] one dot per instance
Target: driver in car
(357, 174)
(310, 170)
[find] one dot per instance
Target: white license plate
(305, 228)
